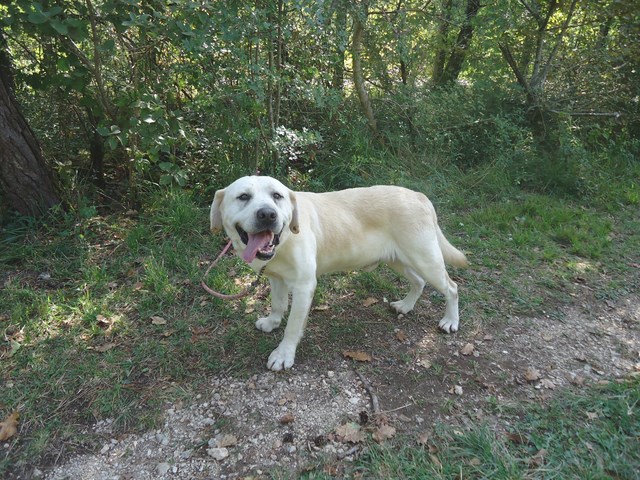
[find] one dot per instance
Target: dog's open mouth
(260, 244)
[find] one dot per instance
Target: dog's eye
(277, 196)
(244, 197)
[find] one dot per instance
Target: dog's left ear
(294, 226)
(216, 216)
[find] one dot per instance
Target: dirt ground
(404, 384)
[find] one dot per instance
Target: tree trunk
(443, 32)
(358, 79)
(543, 121)
(26, 182)
(340, 48)
(459, 51)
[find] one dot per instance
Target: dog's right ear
(294, 226)
(216, 215)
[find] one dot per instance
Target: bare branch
(508, 56)
(588, 114)
(535, 14)
(559, 38)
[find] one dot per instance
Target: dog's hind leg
(432, 269)
(279, 304)
(417, 285)
(427, 264)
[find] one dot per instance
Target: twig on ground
(375, 404)
(351, 451)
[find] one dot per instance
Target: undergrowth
(102, 316)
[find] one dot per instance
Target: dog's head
(258, 213)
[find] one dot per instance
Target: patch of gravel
(585, 343)
(242, 428)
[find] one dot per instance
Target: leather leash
(224, 296)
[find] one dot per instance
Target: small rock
(218, 453)
(186, 454)
(163, 468)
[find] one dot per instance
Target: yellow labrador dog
(297, 236)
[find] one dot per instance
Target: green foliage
(190, 95)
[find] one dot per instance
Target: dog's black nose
(266, 214)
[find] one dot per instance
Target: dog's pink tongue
(255, 243)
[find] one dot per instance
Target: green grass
(591, 434)
(79, 293)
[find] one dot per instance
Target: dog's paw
(401, 306)
(281, 358)
(448, 326)
(267, 324)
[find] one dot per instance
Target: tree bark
(541, 119)
(358, 78)
(25, 180)
(443, 31)
(459, 51)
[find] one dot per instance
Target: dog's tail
(452, 256)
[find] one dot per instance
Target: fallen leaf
(577, 380)
(369, 301)
(401, 336)
(350, 433)
(476, 462)
(227, 441)
(155, 320)
(423, 439)
(423, 362)
(517, 438)
(546, 383)
(138, 286)
(321, 308)
(592, 415)
(384, 432)
(357, 355)
(102, 321)
(287, 418)
(467, 349)
(538, 459)
(168, 333)
(531, 374)
(9, 427)
(104, 347)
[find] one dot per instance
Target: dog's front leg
(279, 304)
(284, 356)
